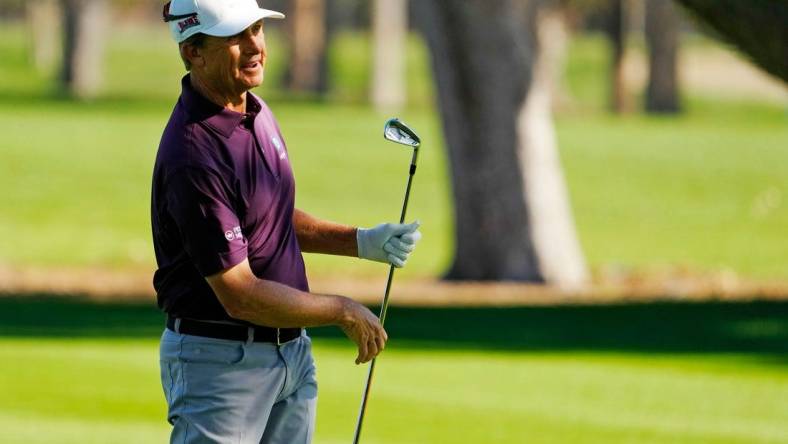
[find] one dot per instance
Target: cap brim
(239, 21)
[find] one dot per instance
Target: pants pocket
(166, 379)
(206, 352)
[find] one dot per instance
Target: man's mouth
(251, 65)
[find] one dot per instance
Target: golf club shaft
(384, 306)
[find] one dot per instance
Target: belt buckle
(278, 337)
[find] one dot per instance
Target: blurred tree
(43, 17)
(84, 25)
(390, 26)
(616, 30)
(512, 215)
(12, 9)
(307, 34)
(662, 38)
(554, 32)
(757, 28)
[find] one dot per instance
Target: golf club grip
(385, 304)
(411, 173)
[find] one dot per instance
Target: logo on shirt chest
(280, 149)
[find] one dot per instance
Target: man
(236, 364)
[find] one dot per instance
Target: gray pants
(220, 391)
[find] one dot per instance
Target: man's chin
(254, 82)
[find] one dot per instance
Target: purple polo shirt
(223, 191)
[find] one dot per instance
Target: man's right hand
(363, 328)
(269, 303)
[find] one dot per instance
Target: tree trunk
(757, 28)
(43, 18)
(84, 26)
(307, 34)
(617, 34)
(662, 37)
(553, 41)
(390, 26)
(484, 55)
(552, 227)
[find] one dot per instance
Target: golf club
(397, 132)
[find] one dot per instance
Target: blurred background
(601, 189)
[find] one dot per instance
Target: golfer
(236, 363)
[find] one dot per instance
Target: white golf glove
(388, 243)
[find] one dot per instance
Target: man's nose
(253, 43)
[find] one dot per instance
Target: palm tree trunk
(307, 34)
(662, 37)
(43, 18)
(84, 26)
(389, 26)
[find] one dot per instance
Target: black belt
(232, 332)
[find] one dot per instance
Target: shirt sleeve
(201, 205)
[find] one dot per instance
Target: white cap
(220, 18)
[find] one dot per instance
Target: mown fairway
(76, 372)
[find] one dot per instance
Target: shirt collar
(218, 118)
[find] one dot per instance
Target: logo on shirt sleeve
(233, 234)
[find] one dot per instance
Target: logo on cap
(188, 23)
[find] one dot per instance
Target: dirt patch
(96, 283)
(713, 70)
(609, 287)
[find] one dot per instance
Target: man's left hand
(388, 243)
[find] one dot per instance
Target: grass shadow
(753, 327)
(66, 316)
(756, 327)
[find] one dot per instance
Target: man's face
(234, 65)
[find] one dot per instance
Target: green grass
(704, 191)
(78, 372)
(697, 192)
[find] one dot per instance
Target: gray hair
(197, 40)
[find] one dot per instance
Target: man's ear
(193, 54)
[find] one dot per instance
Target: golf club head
(397, 132)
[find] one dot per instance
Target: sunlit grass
(73, 371)
(85, 391)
